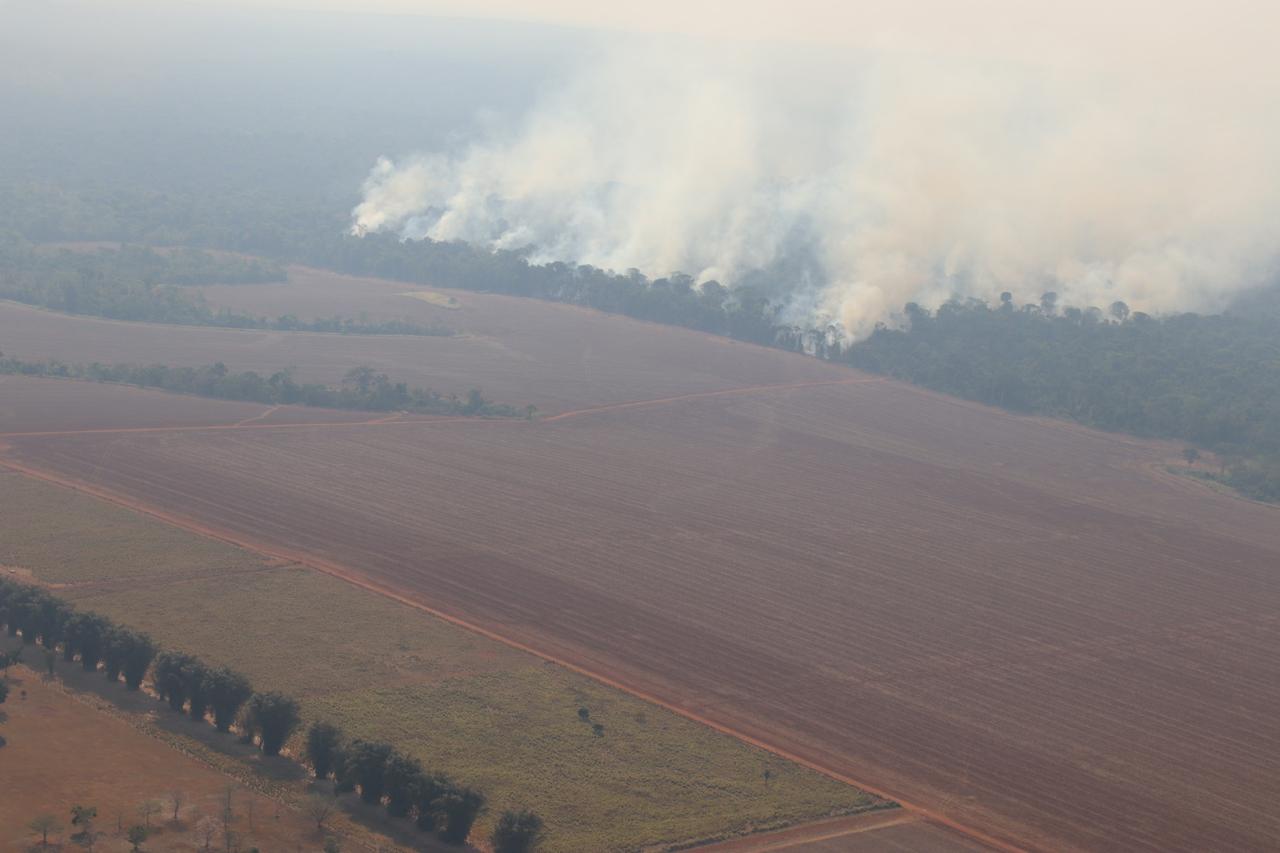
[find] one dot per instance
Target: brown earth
(63, 752)
(1009, 624)
(1024, 628)
(517, 351)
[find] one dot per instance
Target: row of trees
(133, 283)
(379, 772)
(181, 680)
(363, 388)
(385, 776)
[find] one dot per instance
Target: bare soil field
(1015, 627)
(517, 351)
(487, 715)
(63, 752)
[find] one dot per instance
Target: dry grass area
(63, 751)
(491, 716)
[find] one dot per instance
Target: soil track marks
(1005, 623)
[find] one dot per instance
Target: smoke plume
(1144, 171)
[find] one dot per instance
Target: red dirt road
(874, 832)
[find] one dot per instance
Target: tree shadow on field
(147, 704)
(374, 818)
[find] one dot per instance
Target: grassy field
(71, 539)
(488, 715)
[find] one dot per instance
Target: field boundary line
(819, 830)
(341, 572)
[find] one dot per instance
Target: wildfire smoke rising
(1141, 165)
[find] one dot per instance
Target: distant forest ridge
(138, 283)
(1212, 381)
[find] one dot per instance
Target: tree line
(133, 283)
(383, 775)
(1210, 380)
(380, 773)
(216, 694)
(363, 388)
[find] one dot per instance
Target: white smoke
(911, 176)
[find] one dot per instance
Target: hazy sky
(1035, 25)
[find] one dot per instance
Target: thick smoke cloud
(903, 174)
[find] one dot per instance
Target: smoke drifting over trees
(894, 170)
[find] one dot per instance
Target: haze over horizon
(1106, 157)
(845, 159)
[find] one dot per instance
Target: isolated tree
(228, 816)
(323, 743)
(427, 791)
(331, 845)
(275, 716)
(584, 714)
(207, 828)
(367, 765)
(320, 809)
(1119, 310)
(43, 825)
(88, 634)
(116, 643)
(1049, 303)
(138, 655)
(50, 662)
(147, 809)
(399, 779)
(459, 809)
(4, 692)
(177, 796)
(1192, 455)
(136, 835)
(227, 691)
(52, 618)
(170, 677)
(516, 832)
(196, 678)
(83, 817)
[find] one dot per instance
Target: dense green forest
(1212, 381)
(135, 283)
(362, 388)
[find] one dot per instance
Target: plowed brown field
(517, 351)
(1022, 628)
(1013, 625)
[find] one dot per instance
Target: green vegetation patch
(629, 773)
(487, 715)
(65, 537)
